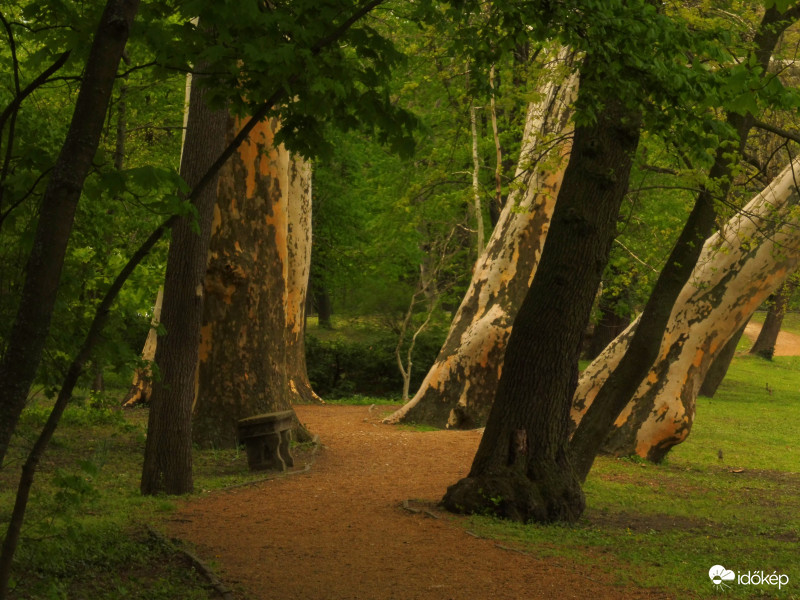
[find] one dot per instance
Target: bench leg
(285, 454)
(263, 453)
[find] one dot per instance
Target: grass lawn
(666, 525)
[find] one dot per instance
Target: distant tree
(777, 304)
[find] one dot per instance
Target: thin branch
(42, 78)
(24, 197)
(636, 258)
(785, 133)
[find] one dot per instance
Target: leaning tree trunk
(459, 389)
(168, 451)
(616, 391)
(142, 385)
(243, 352)
(739, 267)
(522, 469)
(31, 326)
(764, 345)
(299, 244)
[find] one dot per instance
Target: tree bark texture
(764, 345)
(142, 386)
(168, 451)
(459, 389)
(299, 256)
(738, 269)
(251, 314)
(31, 326)
(522, 469)
(620, 385)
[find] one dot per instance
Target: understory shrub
(341, 367)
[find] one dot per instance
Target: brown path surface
(339, 531)
(787, 344)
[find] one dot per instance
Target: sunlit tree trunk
(459, 388)
(299, 244)
(738, 269)
(251, 309)
(142, 385)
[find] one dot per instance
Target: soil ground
(787, 344)
(339, 529)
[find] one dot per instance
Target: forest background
(396, 234)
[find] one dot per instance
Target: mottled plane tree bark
(738, 269)
(620, 385)
(252, 316)
(459, 389)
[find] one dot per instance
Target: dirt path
(339, 531)
(787, 344)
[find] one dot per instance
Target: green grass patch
(85, 530)
(664, 526)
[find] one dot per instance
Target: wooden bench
(267, 440)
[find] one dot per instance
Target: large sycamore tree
(325, 64)
(254, 287)
(633, 71)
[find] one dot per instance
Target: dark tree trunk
(621, 385)
(764, 345)
(719, 368)
(168, 451)
(522, 469)
(322, 301)
(606, 330)
(56, 214)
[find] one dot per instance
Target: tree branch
(784, 133)
(42, 78)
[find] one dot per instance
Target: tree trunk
(243, 353)
(616, 391)
(168, 450)
(142, 385)
(323, 304)
(31, 326)
(459, 389)
(606, 329)
(737, 270)
(764, 345)
(719, 367)
(299, 243)
(522, 469)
